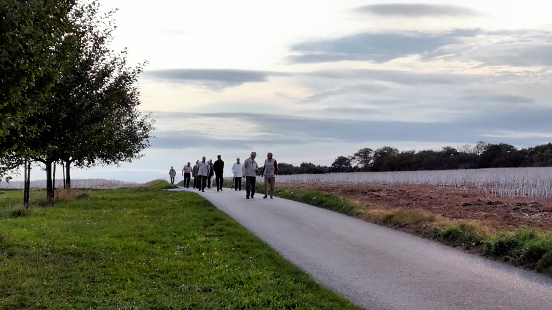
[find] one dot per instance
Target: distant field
(75, 183)
(503, 182)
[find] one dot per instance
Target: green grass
(143, 248)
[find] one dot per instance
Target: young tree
(93, 117)
(29, 33)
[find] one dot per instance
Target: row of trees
(66, 97)
(481, 155)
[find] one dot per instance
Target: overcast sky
(313, 80)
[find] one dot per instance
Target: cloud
(215, 79)
(278, 131)
(416, 10)
(521, 48)
(375, 47)
(347, 90)
(396, 76)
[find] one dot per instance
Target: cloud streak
(374, 47)
(416, 10)
(215, 79)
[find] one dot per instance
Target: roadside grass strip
(143, 248)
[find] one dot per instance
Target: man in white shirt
(186, 173)
(237, 170)
(203, 172)
(250, 169)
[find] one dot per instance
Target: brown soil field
(448, 201)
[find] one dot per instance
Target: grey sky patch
(281, 130)
(498, 99)
(375, 47)
(396, 76)
(210, 78)
(416, 10)
(347, 90)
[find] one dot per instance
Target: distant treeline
(481, 155)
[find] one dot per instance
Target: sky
(313, 80)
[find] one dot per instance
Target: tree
(29, 32)
(384, 159)
(93, 117)
(363, 159)
(342, 164)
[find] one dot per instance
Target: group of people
(203, 171)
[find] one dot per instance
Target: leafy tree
(93, 117)
(363, 159)
(29, 33)
(342, 164)
(310, 168)
(384, 159)
(500, 156)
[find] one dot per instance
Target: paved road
(381, 268)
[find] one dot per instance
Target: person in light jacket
(237, 171)
(270, 169)
(172, 174)
(186, 174)
(250, 169)
(203, 172)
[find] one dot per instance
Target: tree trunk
(54, 178)
(27, 183)
(63, 170)
(68, 174)
(49, 187)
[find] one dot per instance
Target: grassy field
(142, 248)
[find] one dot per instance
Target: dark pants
(172, 180)
(250, 186)
(203, 182)
(186, 180)
(237, 183)
(219, 180)
(197, 179)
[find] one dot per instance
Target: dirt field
(450, 202)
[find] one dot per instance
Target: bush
(462, 234)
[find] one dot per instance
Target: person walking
(203, 172)
(186, 174)
(250, 173)
(237, 171)
(195, 175)
(270, 170)
(211, 173)
(219, 169)
(172, 174)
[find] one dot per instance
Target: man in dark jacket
(219, 168)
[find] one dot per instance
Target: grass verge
(145, 248)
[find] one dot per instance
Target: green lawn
(143, 248)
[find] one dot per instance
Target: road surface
(380, 268)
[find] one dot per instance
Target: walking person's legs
(272, 183)
(266, 185)
(247, 187)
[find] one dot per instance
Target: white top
(237, 170)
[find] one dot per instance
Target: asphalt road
(378, 267)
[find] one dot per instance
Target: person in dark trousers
(195, 175)
(203, 172)
(250, 169)
(219, 169)
(172, 173)
(186, 171)
(211, 173)
(238, 173)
